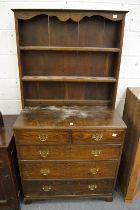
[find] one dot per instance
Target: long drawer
(68, 170)
(98, 136)
(71, 152)
(29, 137)
(63, 188)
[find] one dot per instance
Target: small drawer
(71, 188)
(69, 170)
(72, 152)
(98, 136)
(41, 137)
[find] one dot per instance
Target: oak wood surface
(42, 102)
(9, 176)
(6, 131)
(63, 188)
(70, 152)
(65, 37)
(42, 137)
(130, 163)
(47, 48)
(69, 57)
(68, 78)
(108, 136)
(69, 170)
(60, 117)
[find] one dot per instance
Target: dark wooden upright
(9, 176)
(129, 174)
(68, 136)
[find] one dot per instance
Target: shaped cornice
(74, 16)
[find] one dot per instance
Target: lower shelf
(36, 102)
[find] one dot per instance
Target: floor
(87, 204)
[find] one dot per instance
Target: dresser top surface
(69, 117)
(6, 131)
(135, 91)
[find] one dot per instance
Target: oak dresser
(68, 136)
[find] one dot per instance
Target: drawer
(72, 152)
(68, 170)
(62, 188)
(41, 137)
(98, 136)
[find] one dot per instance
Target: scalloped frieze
(75, 16)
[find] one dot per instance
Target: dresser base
(107, 198)
(64, 161)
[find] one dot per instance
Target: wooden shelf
(44, 102)
(67, 79)
(90, 55)
(90, 49)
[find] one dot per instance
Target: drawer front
(75, 152)
(30, 137)
(58, 188)
(98, 136)
(69, 170)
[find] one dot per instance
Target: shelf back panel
(39, 63)
(67, 91)
(50, 31)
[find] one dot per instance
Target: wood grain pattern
(42, 34)
(90, 49)
(98, 137)
(130, 163)
(69, 63)
(9, 176)
(41, 137)
(68, 79)
(67, 188)
(69, 170)
(59, 118)
(64, 15)
(70, 152)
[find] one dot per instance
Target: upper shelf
(68, 79)
(90, 49)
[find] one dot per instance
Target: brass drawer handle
(43, 137)
(44, 153)
(92, 187)
(46, 188)
(45, 171)
(94, 170)
(96, 153)
(97, 136)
